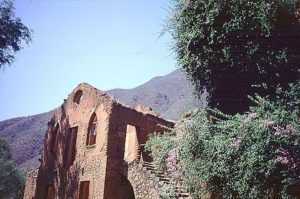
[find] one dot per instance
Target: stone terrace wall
(30, 184)
(145, 185)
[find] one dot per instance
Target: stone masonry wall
(30, 184)
(145, 184)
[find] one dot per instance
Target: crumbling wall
(69, 161)
(145, 123)
(90, 161)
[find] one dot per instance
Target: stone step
(162, 178)
(157, 172)
(181, 194)
(184, 197)
(161, 175)
(146, 168)
(180, 189)
(150, 167)
(153, 171)
(147, 165)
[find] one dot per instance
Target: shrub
(159, 145)
(253, 155)
(167, 191)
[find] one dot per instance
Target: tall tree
(12, 33)
(234, 48)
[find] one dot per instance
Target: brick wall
(103, 165)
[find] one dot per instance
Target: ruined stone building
(90, 150)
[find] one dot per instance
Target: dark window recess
(84, 190)
(78, 96)
(91, 136)
(71, 146)
(50, 192)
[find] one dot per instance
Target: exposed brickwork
(67, 159)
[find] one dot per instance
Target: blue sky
(106, 43)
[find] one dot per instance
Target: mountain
(170, 95)
(25, 136)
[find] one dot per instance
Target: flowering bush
(253, 155)
(167, 191)
(160, 146)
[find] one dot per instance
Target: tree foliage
(253, 155)
(11, 179)
(12, 33)
(227, 46)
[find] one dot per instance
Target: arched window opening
(91, 136)
(78, 97)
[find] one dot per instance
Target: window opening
(84, 190)
(78, 97)
(91, 136)
(50, 192)
(131, 144)
(71, 145)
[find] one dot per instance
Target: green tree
(12, 33)
(228, 46)
(11, 179)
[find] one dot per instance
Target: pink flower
(288, 131)
(282, 160)
(253, 116)
(249, 118)
(177, 175)
(171, 161)
(267, 123)
(235, 142)
(284, 157)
